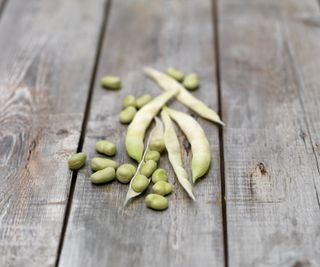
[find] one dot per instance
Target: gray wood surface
(269, 52)
(100, 232)
(46, 61)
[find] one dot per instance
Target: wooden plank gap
(301, 85)
(215, 22)
(84, 124)
(3, 5)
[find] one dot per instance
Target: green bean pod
(138, 126)
(167, 83)
(201, 154)
(126, 116)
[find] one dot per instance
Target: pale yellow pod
(167, 83)
(140, 123)
(174, 153)
(156, 131)
(201, 153)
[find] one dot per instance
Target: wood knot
(262, 168)
(303, 135)
(62, 132)
(301, 264)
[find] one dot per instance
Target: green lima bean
(97, 164)
(111, 82)
(175, 74)
(103, 176)
(159, 175)
(129, 101)
(148, 168)
(106, 147)
(140, 183)
(156, 202)
(127, 115)
(125, 172)
(162, 188)
(191, 82)
(77, 160)
(152, 155)
(143, 100)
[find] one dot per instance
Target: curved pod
(167, 83)
(174, 153)
(137, 128)
(201, 154)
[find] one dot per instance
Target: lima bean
(111, 82)
(128, 101)
(127, 115)
(156, 202)
(140, 183)
(106, 147)
(77, 160)
(148, 168)
(157, 145)
(143, 100)
(102, 163)
(125, 172)
(152, 155)
(103, 176)
(159, 175)
(191, 81)
(162, 188)
(175, 74)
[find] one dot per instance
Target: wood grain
(46, 61)
(270, 90)
(100, 231)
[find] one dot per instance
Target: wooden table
(259, 64)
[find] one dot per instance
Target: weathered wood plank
(46, 61)
(269, 83)
(100, 232)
